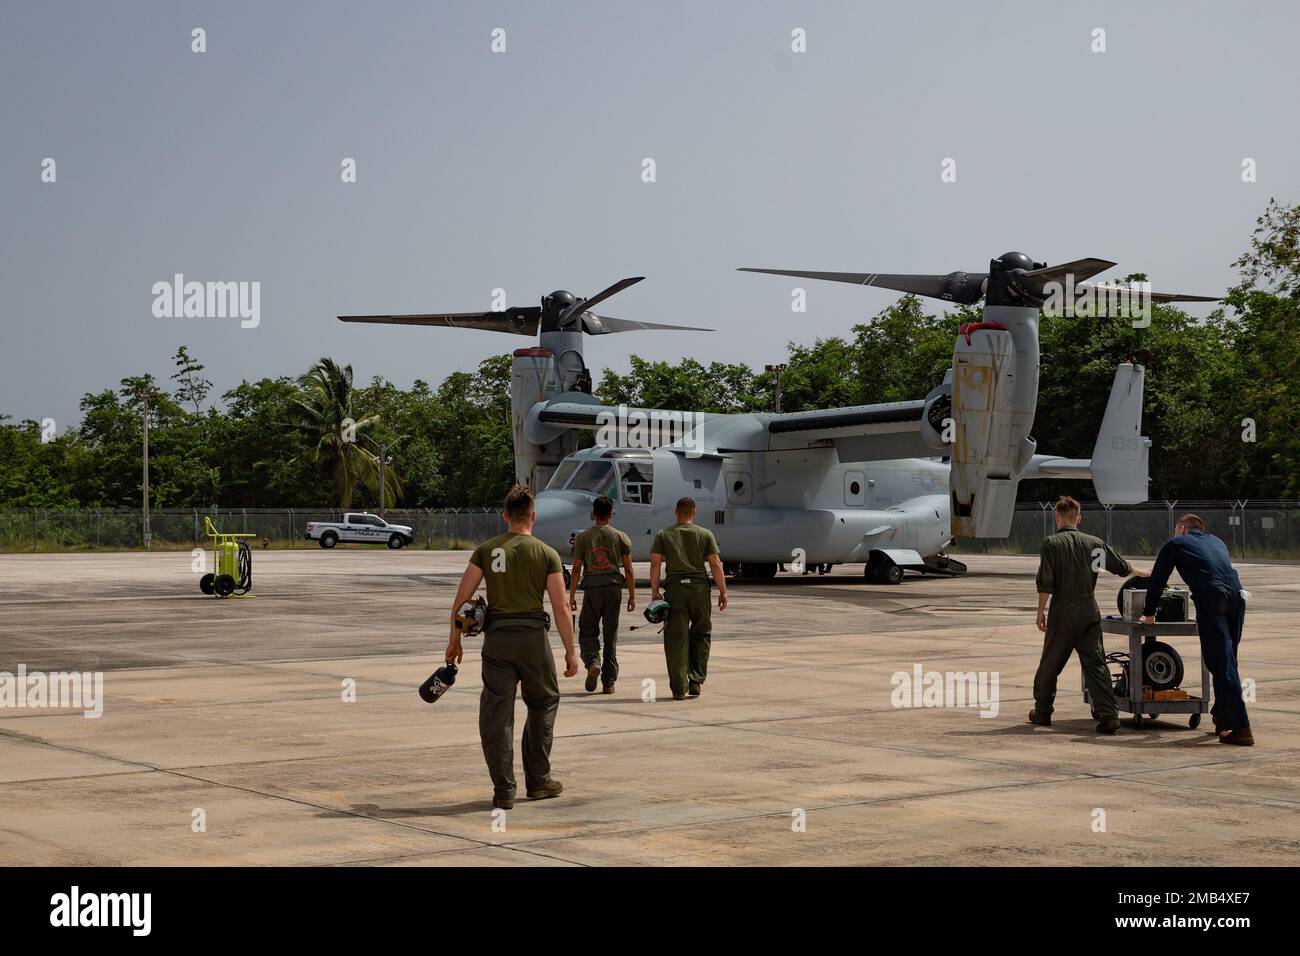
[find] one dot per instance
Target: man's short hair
(602, 507)
(1192, 522)
(686, 506)
(519, 502)
(1067, 507)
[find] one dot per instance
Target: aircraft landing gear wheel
(206, 583)
(1162, 667)
(567, 576)
(1194, 721)
(224, 585)
(396, 541)
(752, 571)
(881, 570)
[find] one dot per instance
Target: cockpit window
(562, 475)
(637, 481)
(596, 478)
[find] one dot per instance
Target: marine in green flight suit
(1067, 574)
(684, 555)
(518, 570)
(602, 564)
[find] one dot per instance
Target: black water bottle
(437, 683)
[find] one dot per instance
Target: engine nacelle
(994, 397)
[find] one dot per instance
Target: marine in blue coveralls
(1201, 560)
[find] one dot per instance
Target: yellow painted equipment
(232, 564)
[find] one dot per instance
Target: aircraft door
(855, 489)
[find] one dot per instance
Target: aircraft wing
(858, 432)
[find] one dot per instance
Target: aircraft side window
(637, 481)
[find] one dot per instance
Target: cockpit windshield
(596, 478)
(562, 475)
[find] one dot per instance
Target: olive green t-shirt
(1066, 561)
(601, 551)
(684, 548)
(515, 568)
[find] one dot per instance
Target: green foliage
(325, 410)
(688, 384)
(1266, 338)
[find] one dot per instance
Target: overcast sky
(523, 170)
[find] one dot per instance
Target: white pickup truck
(359, 526)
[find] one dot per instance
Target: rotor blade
(1122, 291)
(584, 305)
(1081, 269)
(594, 324)
(934, 286)
(519, 321)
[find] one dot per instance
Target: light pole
(144, 391)
(148, 535)
(384, 462)
(776, 371)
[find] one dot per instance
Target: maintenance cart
(1160, 671)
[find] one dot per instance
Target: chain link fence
(1251, 529)
(41, 529)
(1263, 529)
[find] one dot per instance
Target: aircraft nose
(557, 519)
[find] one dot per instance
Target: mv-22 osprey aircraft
(888, 486)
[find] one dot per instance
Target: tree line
(1222, 408)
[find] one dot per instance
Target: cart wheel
(1151, 716)
(1194, 721)
(205, 583)
(225, 585)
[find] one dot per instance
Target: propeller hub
(1007, 283)
(1015, 260)
(554, 307)
(559, 300)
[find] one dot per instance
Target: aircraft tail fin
(1120, 456)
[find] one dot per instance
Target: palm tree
(324, 401)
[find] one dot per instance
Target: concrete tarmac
(226, 737)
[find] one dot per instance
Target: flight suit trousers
(1074, 627)
(515, 654)
(688, 631)
(600, 609)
